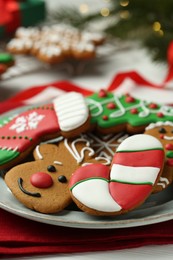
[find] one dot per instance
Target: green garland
(151, 22)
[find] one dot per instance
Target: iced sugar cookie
(67, 116)
(113, 114)
(136, 167)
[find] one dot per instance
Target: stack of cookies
(56, 43)
(105, 153)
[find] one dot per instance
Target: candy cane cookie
(135, 170)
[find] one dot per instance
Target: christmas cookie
(67, 116)
(56, 43)
(114, 114)
(163, 131)
(6, 61)
(43, 184)
(136, 167)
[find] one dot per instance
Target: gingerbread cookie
(67, 116)
(43, 184)
(163, 131)
(55, 43)
(136, 167)
(114, 114)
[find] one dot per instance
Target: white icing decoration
(28, 122)
(79, 156)
(159, 124)
(139, 142)
(169, 138)
(50, 51)
(94, 193)
(37, 149)
(163, 182)
(20, 44)
(93, 104)
(58, 163)
(130, 174)
(71, 110)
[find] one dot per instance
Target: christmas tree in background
(150, 22)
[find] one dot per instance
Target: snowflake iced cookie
(163, 131)
(67, 116)
(135, 170)
(43, 184)
(114, 114)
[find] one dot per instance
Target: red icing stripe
(9, 138)
(150, 158)
(129, 196)
(90, 171)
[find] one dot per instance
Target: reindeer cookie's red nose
(41, 180)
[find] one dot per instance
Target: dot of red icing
(153, 105)
(104, 117)
(169, 146)
(41, 180)
(111, 105)
(161, 136)
(102, 93)
(160, 114)
(129, 99)
(134, 111)
(170, 162)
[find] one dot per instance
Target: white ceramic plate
(157, 208)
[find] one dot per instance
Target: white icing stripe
(158, 124)
(169, 138)
(129, 174)
(139, 142)
(38, 152)
(94, 193)
(71, 110)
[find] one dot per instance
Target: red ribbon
(140, 80)
(10, 15)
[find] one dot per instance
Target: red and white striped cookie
(135, 170)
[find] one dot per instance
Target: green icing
(7, 156)
(122, 114)
(169, 154)
(6, 58)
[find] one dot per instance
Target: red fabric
(141, 81)
(19, 236)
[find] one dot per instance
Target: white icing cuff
(71, 110)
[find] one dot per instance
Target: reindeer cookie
(136, 167)
(67, 116)
(43, 184)
(114, 114)
(163, 131)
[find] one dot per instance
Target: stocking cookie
(43, 184)
(163, 131)
(136, 167)
(67, 116)
(114, 114)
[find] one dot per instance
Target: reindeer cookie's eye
(62, 179)
(162, 130)
(51, 168)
